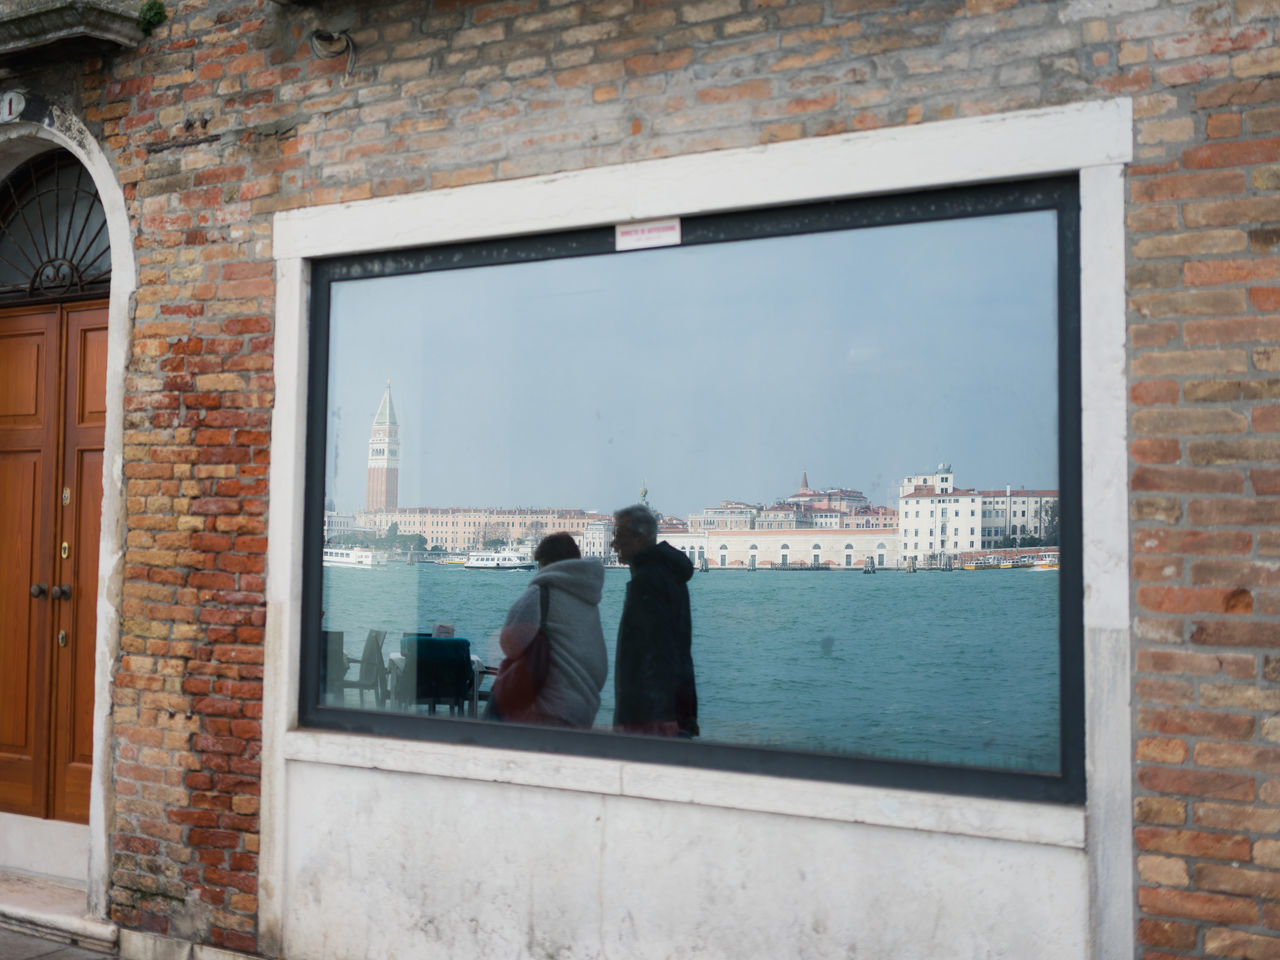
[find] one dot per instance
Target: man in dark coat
(654, 689)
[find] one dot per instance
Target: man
(654, 690)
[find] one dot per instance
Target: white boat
(353, 557)
(1046, 561)
(500, 560)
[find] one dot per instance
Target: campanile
(383, 489)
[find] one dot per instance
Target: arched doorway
(55, 273)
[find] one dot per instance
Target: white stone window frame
(1093, 140)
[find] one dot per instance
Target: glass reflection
(791, 410)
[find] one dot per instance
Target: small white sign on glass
(647, 233)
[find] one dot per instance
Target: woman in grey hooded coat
(579, 661)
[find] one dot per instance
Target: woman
(579, 663)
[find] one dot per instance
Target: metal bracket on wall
(328, 45)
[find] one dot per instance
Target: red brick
(1162, 810)
(1187, 186)
(1199, 273)
(1153, 569)
(1200, 333)
(1235, 816)
(1215, 908)
(1238, 756)
(1195, 600)
(1161, 750)
(658, 62)
(1195, 783)
(1234, 154)
(1186, 480)
(1224, 572)
(1265, 482)
(1192, 843)
(1193, 541)
(1224, 879)
(1155, 450)
(1166, 933)
(1236, 634)
(1195, 723)
(1204, 513)
(1147, 392)
(1222, 942)
(1152, 690)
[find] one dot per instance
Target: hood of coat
(668, 557)
(582, 578)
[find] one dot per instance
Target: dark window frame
(1060, 194)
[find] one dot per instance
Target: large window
(469, 400)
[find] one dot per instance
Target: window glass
(480, 398)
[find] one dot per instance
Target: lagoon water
(957, 667)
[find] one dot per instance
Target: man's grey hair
(639, 519)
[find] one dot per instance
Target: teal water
(957, 667)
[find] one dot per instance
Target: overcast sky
(712, 372)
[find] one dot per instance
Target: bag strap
(544, 601)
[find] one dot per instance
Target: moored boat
(508, 559)
(361, 557)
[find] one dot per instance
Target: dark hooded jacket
(653, 673)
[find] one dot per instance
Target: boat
(1046, 561)
(500, 560)
(361, 557)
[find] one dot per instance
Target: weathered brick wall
(225, 116)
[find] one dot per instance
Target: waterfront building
(836, 499)
(941, 481)
(933, 520)
(728, 515)
(470, 528)
(936, 517)
(596, 538)
(382, 492)
(764, 549)
(337, 524)
(1017, 513)
(806, 509)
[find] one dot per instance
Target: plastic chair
(373, 671)
(437, 670)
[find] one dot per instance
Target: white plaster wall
(394, 865)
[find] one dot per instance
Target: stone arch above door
(54, 243)
(20, 141)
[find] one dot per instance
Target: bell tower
(383, 489)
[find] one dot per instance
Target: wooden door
(52, 414)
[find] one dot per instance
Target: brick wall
(225, 116)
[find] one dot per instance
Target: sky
(710, 372)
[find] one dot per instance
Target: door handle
(39, 589)
(60, 593)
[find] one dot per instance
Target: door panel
(80, 509)
(17, 515)
(20, 370)
(28, 452)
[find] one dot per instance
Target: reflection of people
(579, 661)
(654, 687)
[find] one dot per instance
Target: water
(955, 667)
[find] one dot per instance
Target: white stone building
(935, 517)
(1016, 513)
(765, 549)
